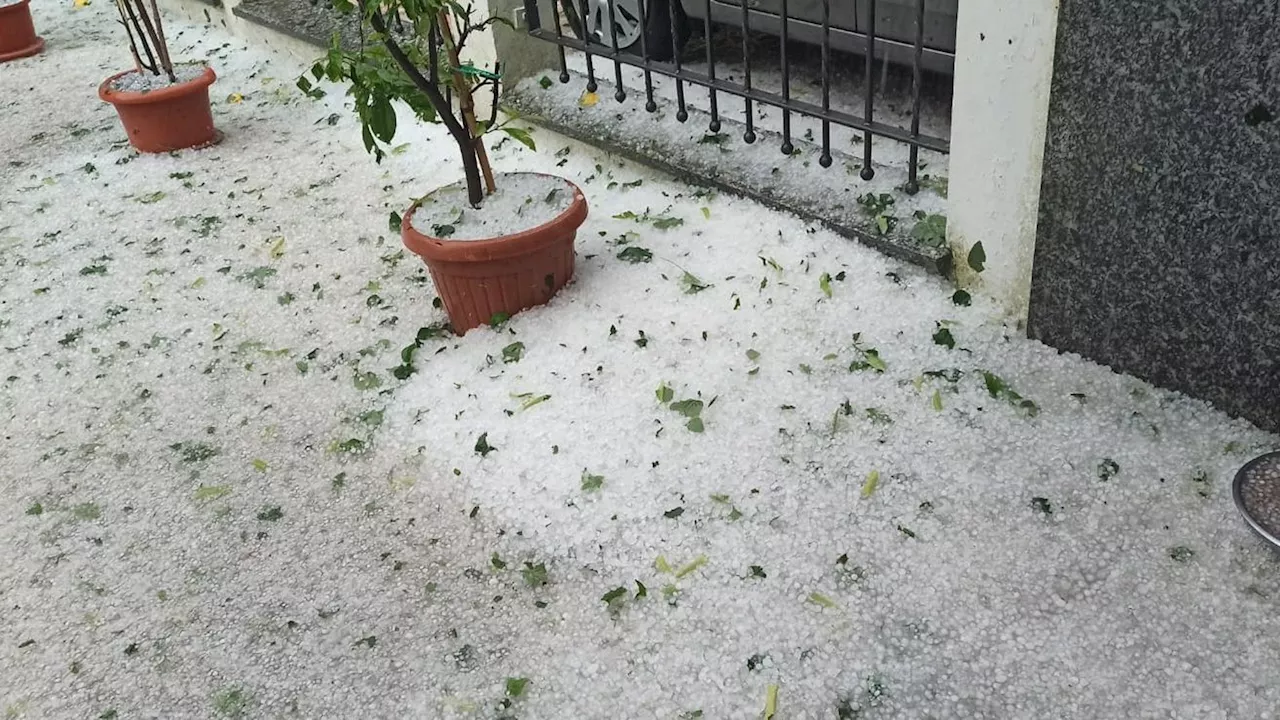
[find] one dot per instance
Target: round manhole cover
(1257, 495)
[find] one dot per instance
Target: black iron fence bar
(682, 112)
(564, 66)
(913, 164)
(531, 16)
(751, 95)
(825, 159)
(620, 92)
(787, 147)
(711, 70)
(868, 171)
(750, 135)
(649, 104)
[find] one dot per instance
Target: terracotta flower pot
(18, 37)
(171, 118)
(478, 279)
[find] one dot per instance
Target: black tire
(657, 33)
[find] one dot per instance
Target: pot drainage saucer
(1256, 491)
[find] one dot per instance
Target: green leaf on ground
(871, 483)
(206, 493)
(944, 338)
(690, 408)
(931, 230)
(534, 575)
(591, 482)
(366, 380)
(822, 600)
(691, 567)
(635, 254)
(513, 352)
(193, 452)
(516, 686)
(664, 393)
(977, 257)
(692, 284)
(824, 282)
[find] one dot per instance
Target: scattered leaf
(977, 257)
(871, 483)
(944, 338)
(690, 408)
(692, 284)
(822, 600)
(516, 686)
(635, 254)
(513, 352)
(534, 575)
(591, 482)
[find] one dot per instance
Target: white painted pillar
(1004, 67)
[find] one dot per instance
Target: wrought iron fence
(657, 50)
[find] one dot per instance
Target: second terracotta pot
(481, 279)
(18, 37)
(166, 119)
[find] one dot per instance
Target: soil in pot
(160, 115)
(513, 252)
(18, 37)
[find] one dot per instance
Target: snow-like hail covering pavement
(217, 498)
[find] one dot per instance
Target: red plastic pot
(18, 37)
(171, 118)
(478, 279)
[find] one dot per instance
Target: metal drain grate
(1257, 494)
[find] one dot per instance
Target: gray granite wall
(1158, 246)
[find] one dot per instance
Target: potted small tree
(495, 245)
(18, 37)
(162, 106)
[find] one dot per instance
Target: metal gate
(664, 24)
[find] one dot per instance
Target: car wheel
(626, 24)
